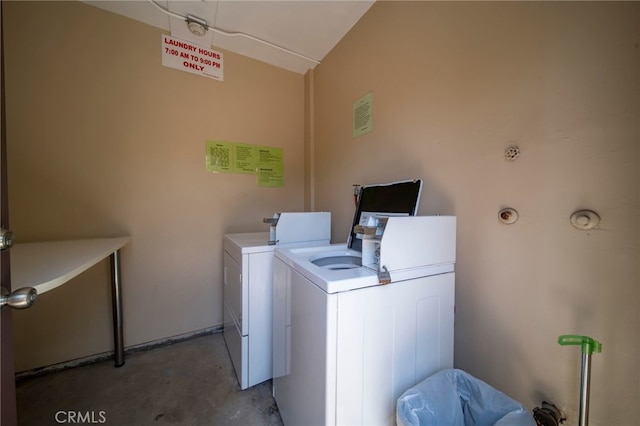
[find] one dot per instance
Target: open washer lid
(401, 197)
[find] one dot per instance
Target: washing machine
(349, 339)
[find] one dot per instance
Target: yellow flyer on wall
(245, 158)
(219, 156)
(270, 166)
(363, 115)
(232, 157)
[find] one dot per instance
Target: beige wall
(105, 141)
(454, 84)
(309, 141)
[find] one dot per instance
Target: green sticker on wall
(219, 156)
(231, 157)
(270, 167)
(363, 115)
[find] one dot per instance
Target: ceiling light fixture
(206, 27)
(196, 25)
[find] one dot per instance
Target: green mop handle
(589, 346)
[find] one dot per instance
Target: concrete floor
(187, 383)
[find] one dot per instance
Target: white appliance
(248, 275)
(345, 346)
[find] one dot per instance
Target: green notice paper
(245, 158)
(230, 157)
(219, 156)
(270, 166)
(363, 115)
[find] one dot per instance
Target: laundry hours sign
(189, 57)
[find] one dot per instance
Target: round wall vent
(512, 152)
(507, 216)
(585, 219)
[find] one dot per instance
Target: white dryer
(345, 346)
(248, 273)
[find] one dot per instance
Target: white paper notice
(186, 56)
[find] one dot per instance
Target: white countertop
(48, 265)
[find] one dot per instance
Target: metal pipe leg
(589, 346)
(585, 381)
(116, 304)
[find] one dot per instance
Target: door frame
(8, 406)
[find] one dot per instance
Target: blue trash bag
(453, 397)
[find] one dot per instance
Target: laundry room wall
(104, 141)
(454, 85)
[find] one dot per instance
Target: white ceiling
(305, 27)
